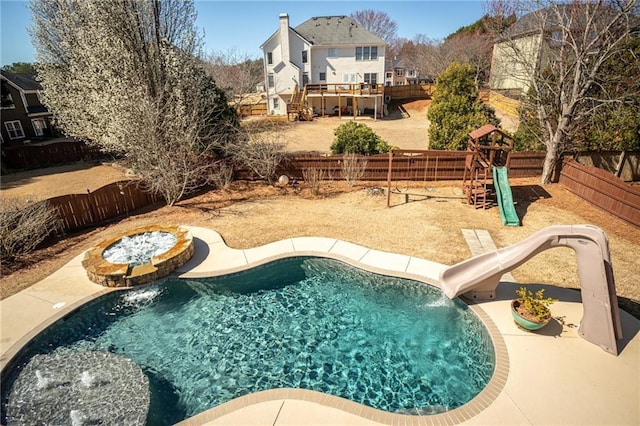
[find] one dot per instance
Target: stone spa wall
(108, 274)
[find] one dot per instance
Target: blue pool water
(313, 323)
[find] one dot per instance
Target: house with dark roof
(531, 43)
(23, 116)
(399, 72)
(328, 65)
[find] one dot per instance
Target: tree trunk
(550, 161)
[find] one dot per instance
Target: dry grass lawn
(252, 214)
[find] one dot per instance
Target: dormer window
(7, 102)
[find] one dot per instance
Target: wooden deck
(362, 89)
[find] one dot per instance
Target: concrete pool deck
(550, 377)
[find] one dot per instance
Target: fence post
(620, 165)
(389, 177)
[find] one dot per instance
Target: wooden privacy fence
(248, 110)
(423, 166)
(624, 164)
(79, 211)
(603, 190)
(409, 91)
(26, 157)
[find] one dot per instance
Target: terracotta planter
(523, 322)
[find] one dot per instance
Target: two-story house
(535, 40)
(24, 117)
(398, 72)
(328, 64)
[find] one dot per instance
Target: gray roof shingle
(26, 82)
(336, 31)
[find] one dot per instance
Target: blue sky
(244, 25)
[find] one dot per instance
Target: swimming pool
(313, 323)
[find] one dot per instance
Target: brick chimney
(284, 37)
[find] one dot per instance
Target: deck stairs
(296, 108)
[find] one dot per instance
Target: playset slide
(478, 277)
(504, 197)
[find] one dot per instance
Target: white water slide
(477, 278)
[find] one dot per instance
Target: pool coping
(71, 286)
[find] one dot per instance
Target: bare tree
(470, 48)
(558, 53)
(353, 168)
(313, 177)
(427, 55)
(379, 23)
(262, 152)
(125, 75)
(236, 73)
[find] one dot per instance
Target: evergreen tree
(456, 109)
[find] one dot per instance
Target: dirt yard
(251, 214)
(407, 133)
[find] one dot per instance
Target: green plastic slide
(504, 197)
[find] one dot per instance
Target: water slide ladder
(477, 278)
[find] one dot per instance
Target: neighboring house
(528, 44)
(26, 118)
(398, 72)
(329, 64)
(516, 56)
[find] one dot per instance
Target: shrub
(313, 177)
(356, 138)
(260, 152)
(221, 175)
(24, 225)
(353, 168)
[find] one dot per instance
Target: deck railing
(344, 88)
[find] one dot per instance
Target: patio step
(479, 242)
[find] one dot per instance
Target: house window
(348, 78)
(270, 58)
(305, 58)
(556, 38)
(39, 125)
(8, 101)
(323, 76)
(399, 72)
(388, 75)
(366, 53)
(371, 78)
(14, 128)
(276, 104)
(333, 52)
(411, 73)
(270, 81)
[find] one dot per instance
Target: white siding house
(328, 64)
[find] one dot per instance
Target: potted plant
(531, 310)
